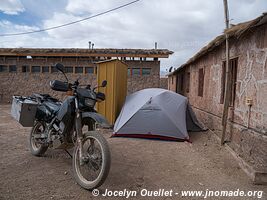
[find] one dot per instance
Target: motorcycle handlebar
(59, 86)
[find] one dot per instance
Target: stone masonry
(247, 128)
(26, 83)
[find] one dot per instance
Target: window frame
(10, 69)
(201, 80)
(25, 68)
(92, 68)
(70, 71)
(54, 69)
(146, 68)
(133, 74)
(34, 67)
(188, 82)
(5, 67)
(43, 67)
(78, 67)
(129, 71)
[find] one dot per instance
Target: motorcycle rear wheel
(36, 148)
(99, 159)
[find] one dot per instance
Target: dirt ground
(136, 164)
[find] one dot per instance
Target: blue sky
(181, 26)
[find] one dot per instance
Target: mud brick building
(24, 71)
(202, 80)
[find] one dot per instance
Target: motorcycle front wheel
(92, 170)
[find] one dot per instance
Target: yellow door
(115, 72)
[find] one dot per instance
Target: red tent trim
(151, 136)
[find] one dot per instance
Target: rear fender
(100, 120)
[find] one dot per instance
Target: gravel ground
(137, 164)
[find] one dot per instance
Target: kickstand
(68, 153)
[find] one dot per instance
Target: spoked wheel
(91, 171)
(36, 146)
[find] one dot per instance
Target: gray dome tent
(156, 113)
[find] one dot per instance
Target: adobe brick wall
(172, 83)
(136, 82)
(164, 83)
(26, 83)
(249, 143)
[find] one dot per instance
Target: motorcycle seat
(44, 97)
(53, 107)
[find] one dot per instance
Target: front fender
(98, 118)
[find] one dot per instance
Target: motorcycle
(73, 123)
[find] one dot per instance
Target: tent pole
(227, 77)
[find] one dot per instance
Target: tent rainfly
(156, 113)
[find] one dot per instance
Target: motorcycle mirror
(60, 67)
(104, 83)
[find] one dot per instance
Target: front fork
(78, 127)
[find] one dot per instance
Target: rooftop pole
(228, 76)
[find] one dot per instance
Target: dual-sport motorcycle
(73, 123)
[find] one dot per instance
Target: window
(129, 71)
(136, 71)
(233, 69)
(89, 70)
(25, 69)
(3, 68)
(12, 68)
(172, 79)
(11, 58)
(78, 70)
(69, 69)
(36, 69)
(200, 82)
(45, 69)
(182, 82)
(54, 69)
(146, 71)
(187, 82)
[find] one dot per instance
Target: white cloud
(140, 24)
(181, 26)
(92, 6)
(14, 28)
(11, 7)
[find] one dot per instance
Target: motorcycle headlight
(89, 102)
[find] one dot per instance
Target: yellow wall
(115, 72)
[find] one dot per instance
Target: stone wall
(24, 84)
(19, 83)
(172, 82)
(247, 129)
(138, 82)
(164, 83)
